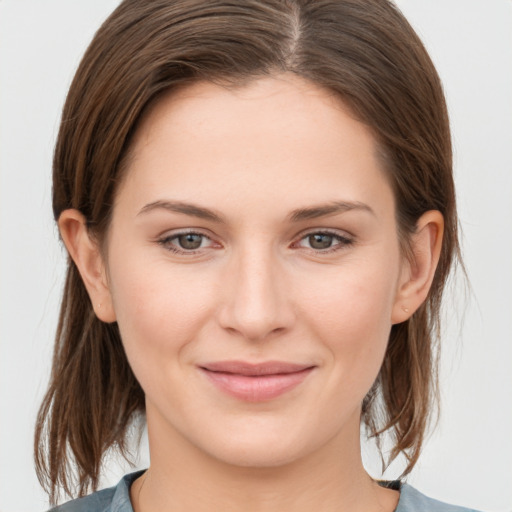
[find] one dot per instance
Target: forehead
(253, 142)
(285, 104)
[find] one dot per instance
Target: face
(253, 265)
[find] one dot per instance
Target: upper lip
(255, 369)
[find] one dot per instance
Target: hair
(362, 50)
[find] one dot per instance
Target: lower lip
(256, 388)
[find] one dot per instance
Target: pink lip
(255, 382)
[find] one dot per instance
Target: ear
(86, 254)
(419, 267)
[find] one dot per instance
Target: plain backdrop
(468, 460)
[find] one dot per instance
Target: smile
(255, 382)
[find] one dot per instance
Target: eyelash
(165, 242)
(343, 242)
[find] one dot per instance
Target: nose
(257, 301)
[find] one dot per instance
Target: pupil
(319, 241)
(190, 241)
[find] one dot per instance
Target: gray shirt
(117, 499)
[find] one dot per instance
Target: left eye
(190, 241)
(322, 241)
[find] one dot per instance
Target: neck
(182, 477)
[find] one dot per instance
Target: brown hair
(364, 51)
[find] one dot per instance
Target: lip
(255, 382)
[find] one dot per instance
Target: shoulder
(411, 500)
(100, 501)
(113, 499)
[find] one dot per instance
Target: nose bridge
(257, 303)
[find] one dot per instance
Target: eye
(320, 240)
(324, 241)
(185, 243)
(190, 241)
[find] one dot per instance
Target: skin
(258, 288)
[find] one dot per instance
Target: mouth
(255, 382)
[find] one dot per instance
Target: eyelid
(342, 237)
(345, 239)
(166, 237)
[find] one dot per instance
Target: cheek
(159, 312)
(351, 313)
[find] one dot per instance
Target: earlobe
(86, 254)
(419, 269)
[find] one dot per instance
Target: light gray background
(469, 458)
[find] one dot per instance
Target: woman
(259, 209)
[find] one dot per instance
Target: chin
(257, 455)
(265, 445)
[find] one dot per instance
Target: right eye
(185, 243)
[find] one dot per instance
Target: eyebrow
(299, 214)
(185, 208)
(330, 208)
